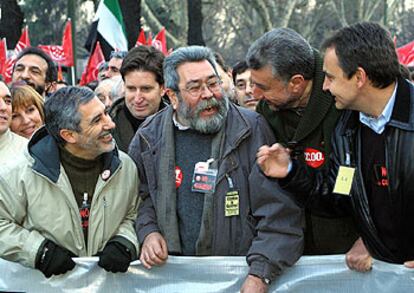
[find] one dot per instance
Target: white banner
(209, 274)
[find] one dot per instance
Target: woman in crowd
(28, 114)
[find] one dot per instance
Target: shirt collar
(178, 124)
(378, 124)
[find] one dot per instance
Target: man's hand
(54, 260)
(154, 250)
(409, 264)
(115, 257)
(253, 284)
(274, 161)
(358, 258)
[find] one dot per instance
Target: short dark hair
(51, 73)
(239, 68)
(286, 51)
(144, 58)
(367, 45)
(62, 109)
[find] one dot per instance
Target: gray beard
(191, 117)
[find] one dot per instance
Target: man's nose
(326, 84)
(206, 93)
(2, 104)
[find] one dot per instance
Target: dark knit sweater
(191, 147)
(379, 199)
(83, 176)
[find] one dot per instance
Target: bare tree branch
(152, 19)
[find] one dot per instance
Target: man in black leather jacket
(371, 166)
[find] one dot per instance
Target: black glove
(115, 257)
(54, 260)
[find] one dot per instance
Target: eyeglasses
(213, 85)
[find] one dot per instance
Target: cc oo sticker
(314, 158)
(178, 176)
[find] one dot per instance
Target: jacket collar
(237, 128)
(319, 104)
(44, 151)
(402, 114)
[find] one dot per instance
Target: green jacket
(37, 203)
(312, 136)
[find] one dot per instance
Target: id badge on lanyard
(204, 177)
(231, 204)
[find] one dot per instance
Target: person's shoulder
(250, 116)
(19, 140)
(154, 120)
(125, 158)
(116, 107)
(20, 165)
(247, 113)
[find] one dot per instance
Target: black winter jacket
(399, 157)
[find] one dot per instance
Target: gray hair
(183, 55)
(62, 109)
(286, 51)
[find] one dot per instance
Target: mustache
(104, 133)
(206, 104)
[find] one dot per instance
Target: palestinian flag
(108, 28)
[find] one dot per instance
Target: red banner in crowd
(141, 39)
(159, 42)
(23, 42)
(62, 54)
(406, 54)
(3, 54)
(91, 70)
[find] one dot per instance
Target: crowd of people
(291, 151)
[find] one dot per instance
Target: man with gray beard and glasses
(200, 187)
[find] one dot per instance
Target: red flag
(160, 41)
(55, 52)
(91, 70)
(3, 55)
(62, 54)
(23, 42)
(141, 41)
(67, 44)
(406, 54)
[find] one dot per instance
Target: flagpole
(72, 69)
(72, 16)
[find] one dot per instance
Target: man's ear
(296, 84)
(172, 95)
(68, 135)
(361, 77)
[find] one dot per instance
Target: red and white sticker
(314, 158)
(178, 176)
